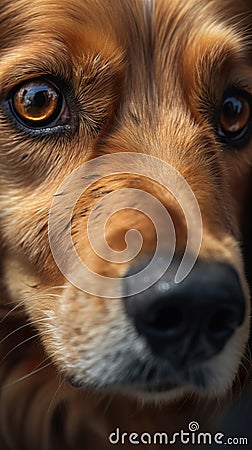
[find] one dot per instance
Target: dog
(120, 96)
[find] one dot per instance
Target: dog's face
(166, 79)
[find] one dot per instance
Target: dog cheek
(73, 321)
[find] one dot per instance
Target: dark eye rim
(237, 139)
(51, 123)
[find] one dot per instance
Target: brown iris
(235, 114)
(37, 102)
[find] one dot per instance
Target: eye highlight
(39, 103)
(234, 126)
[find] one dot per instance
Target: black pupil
(40, 99)
(37, 97)
(232, 107)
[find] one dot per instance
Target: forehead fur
(150, 24)
(160, 45)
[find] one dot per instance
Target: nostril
(168, 321)
(222, 324)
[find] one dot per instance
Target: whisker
(19, 345)
(51, 295)
(12, 383)
(25, 325)
(55, 394)
(12, 310)
(32, 296)
(24, 342)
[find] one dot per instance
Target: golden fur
(142, 73)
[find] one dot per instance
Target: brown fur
(143, 78)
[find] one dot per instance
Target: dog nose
(190, 321)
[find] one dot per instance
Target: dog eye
(38, 103)
(235, 118)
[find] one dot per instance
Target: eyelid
(19, 65)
